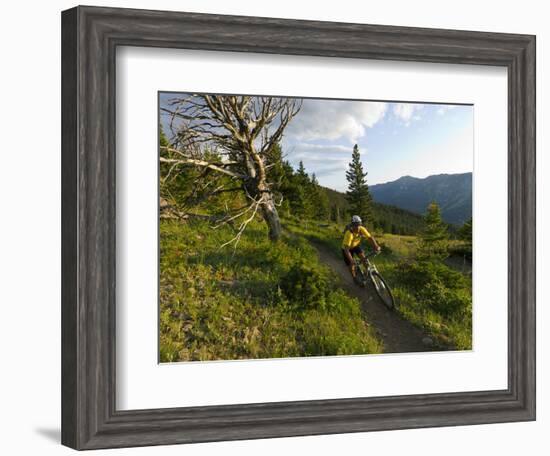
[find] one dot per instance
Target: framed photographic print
(279, 228)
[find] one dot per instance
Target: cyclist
(351, 244)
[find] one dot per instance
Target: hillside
(388, 218)
(262, 300)
(452, 192)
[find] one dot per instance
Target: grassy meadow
(266, 300)
(429, 294)
(261, 300)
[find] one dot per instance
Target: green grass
(430, 295)
(251, 302)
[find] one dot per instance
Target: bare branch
(237, 215)
(243, 226)
(243, 131)
(205, 164)
(215, 167)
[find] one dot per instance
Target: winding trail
(398, 335)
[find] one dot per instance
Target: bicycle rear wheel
(382, 290)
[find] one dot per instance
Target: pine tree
(465, 234)
(335, 213)
(319, 200)
(435, 229)
(301, 171)
(280, 175)
(276, 166)
(302, 205)
(358, 195)
(434, 237)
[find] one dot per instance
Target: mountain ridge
(452, 192)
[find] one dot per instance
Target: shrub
(306, 286)
(462, 249)
(340, 303)
(445, 301)
(418, 274)
(437, 286)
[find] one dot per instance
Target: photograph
(277, 222)
(297, 227)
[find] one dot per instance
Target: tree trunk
(271, 217)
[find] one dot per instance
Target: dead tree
(242, 130)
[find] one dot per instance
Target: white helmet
(356, 220)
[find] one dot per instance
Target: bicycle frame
(371, 267)
(382, 289)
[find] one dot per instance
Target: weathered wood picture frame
(90, 36)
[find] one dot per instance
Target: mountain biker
(351, 244)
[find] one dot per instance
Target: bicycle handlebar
(373, 253)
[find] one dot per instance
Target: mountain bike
(382, 289)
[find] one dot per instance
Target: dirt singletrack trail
(397, 334)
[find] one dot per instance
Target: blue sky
(395, 139)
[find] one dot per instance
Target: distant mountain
(453, 193)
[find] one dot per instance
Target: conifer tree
(303, 206)
(435, 229)
(301, 171)
(358, 195)
(434, 237)
(465, 234)
(319, 200)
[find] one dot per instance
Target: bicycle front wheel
(361, 279)
(382, 290)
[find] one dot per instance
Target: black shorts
(355, 251)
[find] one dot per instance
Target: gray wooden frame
(90, 36)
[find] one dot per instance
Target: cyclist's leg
(348, 258)
(357, 251)
(362, 257)
(361, 254)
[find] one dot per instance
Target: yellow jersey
(352, 240)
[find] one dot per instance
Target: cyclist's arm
(371, 240)
(374, 244)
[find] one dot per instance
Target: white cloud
(331, 148)
(320, 154)
(443, 109)
(334, 119)
(407, 112)
(329, 162)
(321, 157)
